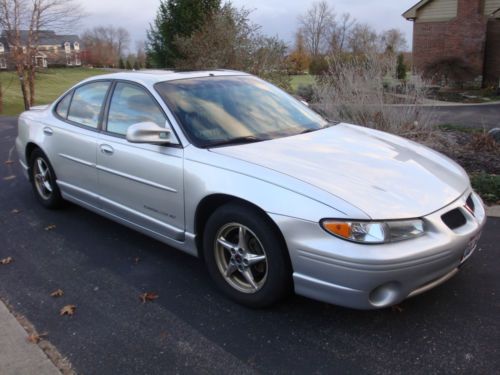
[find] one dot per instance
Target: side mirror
(149, 132)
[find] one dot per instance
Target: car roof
(153, 76)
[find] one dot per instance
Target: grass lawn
(49, 85)
(304, 79)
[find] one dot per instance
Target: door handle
(48, 131)
(107, 149)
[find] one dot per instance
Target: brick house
(53, 50)
(461, 34)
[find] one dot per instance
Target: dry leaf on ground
(148, 296)
(137, 260)
(35, 338)
(50, 227)
(397, 308)
(68, 310)
(8, 178)
(15, 211)
(9, 162)
(57, 293)
(7, 260)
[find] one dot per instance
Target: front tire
(246, 257)
(43, 180)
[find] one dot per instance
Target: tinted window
(87, 103)
(62, 107)
(130, 105)
(213, 110)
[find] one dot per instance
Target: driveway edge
(493, 211)
(18, 355)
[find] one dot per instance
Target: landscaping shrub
(364, 90)
(487, 185)
(306, 92)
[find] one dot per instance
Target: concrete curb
(17, 355)
(493, 211)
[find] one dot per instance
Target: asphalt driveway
(103, 267)
(477, 116)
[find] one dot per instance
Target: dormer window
(67, 47)
(2, 49)
(76, 45)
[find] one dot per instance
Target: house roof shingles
(45, 38)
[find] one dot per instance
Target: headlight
(372, 232)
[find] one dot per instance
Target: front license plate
(471, 247)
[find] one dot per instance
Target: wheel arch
(30, 147)
(209, 204)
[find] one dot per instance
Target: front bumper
(375, 276)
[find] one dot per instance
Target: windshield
(227, 110)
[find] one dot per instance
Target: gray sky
(277, 17)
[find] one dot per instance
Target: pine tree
(401, 67)
(175, 18)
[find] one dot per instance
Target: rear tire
(43, 180)
(246, 257)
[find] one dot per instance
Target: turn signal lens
(374, 232)
(338, 228)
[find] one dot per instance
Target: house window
(67, 47)
(78, 62)
(3, 63)
(76, 45)
(68, 60)
(2, 49)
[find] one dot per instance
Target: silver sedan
(273, 197)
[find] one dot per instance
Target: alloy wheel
(241, 258)
(42, 178)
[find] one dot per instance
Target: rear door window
(87, 103)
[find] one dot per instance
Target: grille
(454, 219)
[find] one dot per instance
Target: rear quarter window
(63, 106)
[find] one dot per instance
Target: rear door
(139, 183)
(73, 137)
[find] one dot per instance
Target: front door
(140, 183)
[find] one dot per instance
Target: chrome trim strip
(136, 179)
(23, 165)
(313, 281)
(80, 161)
(433, 284)
(177, 233)
(75, 188)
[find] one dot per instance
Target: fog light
(385, 295)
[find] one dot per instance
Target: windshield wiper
(237, 141)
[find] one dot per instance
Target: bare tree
(316, 26)
(122, 41)
(340, 34)
(362, 39)
(140, 48)
(17, 16)
(393, 41)
(106, 45)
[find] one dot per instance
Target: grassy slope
(304, 79)
(49, 85)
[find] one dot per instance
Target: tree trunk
(22, 82)
(31, 83)
(1, 98)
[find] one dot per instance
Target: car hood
(385, 176)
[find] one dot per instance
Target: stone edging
(493, 211)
